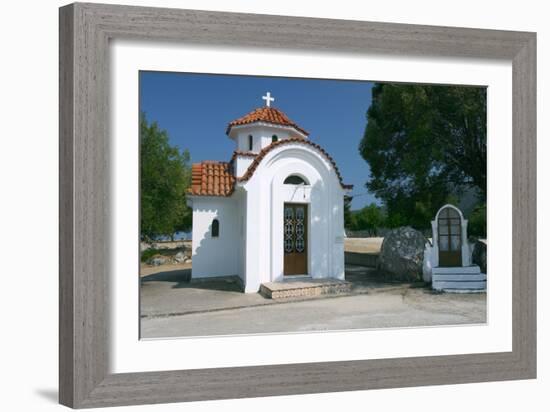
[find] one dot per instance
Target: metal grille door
(295, 239)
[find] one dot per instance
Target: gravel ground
(397, 308)
(172, 306)
(363, 245)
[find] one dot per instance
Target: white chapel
(274, 211)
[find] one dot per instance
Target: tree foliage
(348, 216)
(370, 218)
(165, 176)
(477, 222)
(424, 145)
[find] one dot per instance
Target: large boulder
(479, 255)
(402, 254)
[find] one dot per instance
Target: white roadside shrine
(275, 211)
(448, 259)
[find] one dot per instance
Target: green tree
(477, 222)
(370, 218)
(424, 144)
(348, 215)
(165, 176)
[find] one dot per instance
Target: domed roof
(266, 115)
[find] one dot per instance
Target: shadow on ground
(361, 277)
(173, 304)
(178, 276)
(51, 395)
(174, 292)
(367, 278)
(181, 279)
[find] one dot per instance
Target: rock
(402, 254)
(180, 257)
(479, 255)
(158, 260)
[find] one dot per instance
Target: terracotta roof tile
(241, 153)
(256, 162)
(210, 178)
(267, 115)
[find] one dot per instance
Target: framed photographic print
(260, 205)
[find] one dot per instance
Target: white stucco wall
(266, 195)
(261, 135)
(219, 256)
(241, 164)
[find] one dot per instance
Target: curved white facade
(266, 195)
(250, 242)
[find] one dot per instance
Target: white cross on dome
(268, 99)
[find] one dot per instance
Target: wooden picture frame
(85, 31)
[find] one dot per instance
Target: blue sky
(196, 108)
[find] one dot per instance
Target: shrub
(148, 254)
(477, 223)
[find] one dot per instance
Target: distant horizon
(195, 109)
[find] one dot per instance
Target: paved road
(398, 308)
(166, 290)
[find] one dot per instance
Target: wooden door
(450, 238)
(295, 226)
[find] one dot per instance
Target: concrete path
(167, 291)
(398, 308)
(171, 293)
(172, 306)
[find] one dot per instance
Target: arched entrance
(449, 225)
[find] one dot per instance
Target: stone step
(464, 285)
(441, 270)
(453, 279)
(304, 288)
(465, 290)
(459, 277)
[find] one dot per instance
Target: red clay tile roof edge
(211, 178)
(203, 184)
(267, 115)
(255, 163)
(241, 153)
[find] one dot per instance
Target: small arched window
(215, 228)
(274, 138)
(250, 142)
(294, 180)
